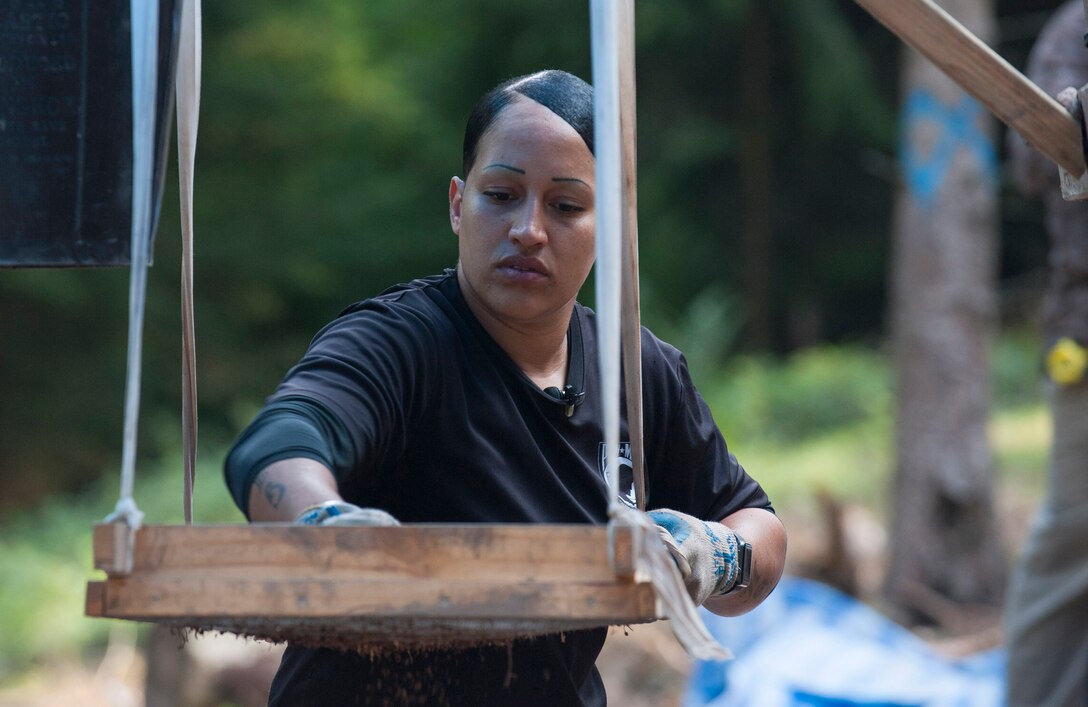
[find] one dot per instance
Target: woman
(472, 397)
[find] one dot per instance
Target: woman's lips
(523, 269)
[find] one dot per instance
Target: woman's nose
(527, 230)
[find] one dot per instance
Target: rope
(188, 108)
(145, 34)
(651, 556)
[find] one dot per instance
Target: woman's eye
(568, 208)
(501, 197)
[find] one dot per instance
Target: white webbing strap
(651, 556)
(606, 142)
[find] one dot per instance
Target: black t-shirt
(442, 426)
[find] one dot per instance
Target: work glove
(344, 513)
(705, 553)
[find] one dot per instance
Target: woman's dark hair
(564, 94)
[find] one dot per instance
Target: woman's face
(524, 218)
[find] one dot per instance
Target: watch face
(746, 567)
(744, 561)
(744, 564)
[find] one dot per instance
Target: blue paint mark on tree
(958, 127)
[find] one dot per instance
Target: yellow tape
(1066, 362)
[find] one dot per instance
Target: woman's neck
(540, 349)
(541, 353)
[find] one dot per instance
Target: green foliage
(840, 91)
(1016, 363)
(45, 558)
(41, 598)
(854, 464)
(821, 389)
(823, 420)
(809, 393)
(1021, 437)
(706, 331)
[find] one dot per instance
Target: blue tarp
(809, 645)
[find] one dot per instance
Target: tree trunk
(945, 547)
(755, 171)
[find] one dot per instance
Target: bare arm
(283, 489)
(765, 532)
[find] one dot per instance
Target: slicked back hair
(562, 93)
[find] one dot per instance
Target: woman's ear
(457, 191)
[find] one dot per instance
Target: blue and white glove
(705, 553)
(344, 513)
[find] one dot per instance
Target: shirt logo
(627, 475)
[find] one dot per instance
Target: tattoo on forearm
(273, 492)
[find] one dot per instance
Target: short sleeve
(691, 468)
(367, 367)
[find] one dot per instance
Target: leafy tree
(329, 130)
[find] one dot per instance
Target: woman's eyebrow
(505, 166)
(518, 170)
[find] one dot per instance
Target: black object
(567, 395)
(1082, 100)
(744, 564)
(66, 130)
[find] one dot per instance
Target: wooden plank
(545, 553)
(94, 603)
(262, 594)
(980, 71)
(112, 547)
(350, 587)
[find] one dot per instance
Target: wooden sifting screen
(373, 588)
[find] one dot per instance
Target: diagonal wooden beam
(981, 72)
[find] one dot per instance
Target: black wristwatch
(744, 564)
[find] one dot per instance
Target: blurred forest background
(767, 137)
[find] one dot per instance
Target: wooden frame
(369, 588)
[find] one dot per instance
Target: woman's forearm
(767, 536)
(283, 489)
